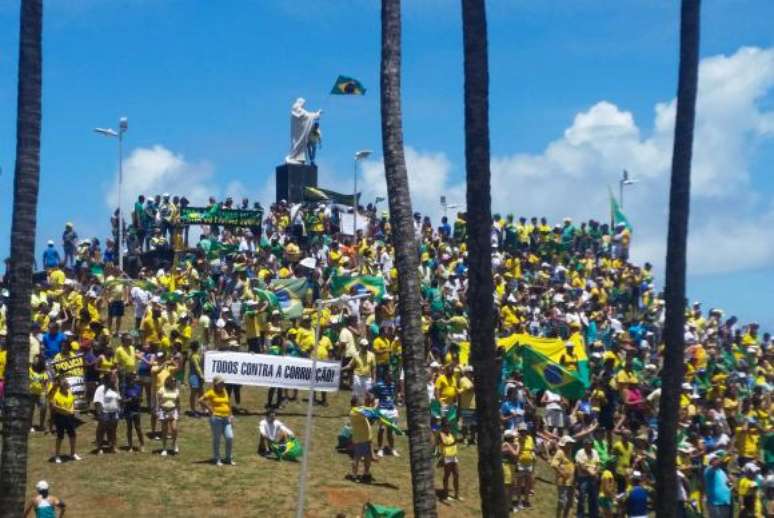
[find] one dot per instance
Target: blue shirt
(50, 257)
(385, 393)
(716, 486)
(637, 502)
(52, 344)
(507, 410)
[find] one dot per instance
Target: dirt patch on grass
(344, 497)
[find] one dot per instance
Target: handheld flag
(291, 450)
(348, 86)
(616, 214)
(541, 373)
(363, 283)
(290, 294)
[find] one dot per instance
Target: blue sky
(579, 90)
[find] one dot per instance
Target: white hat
(751, 467)
(467, 368)
(686, 386)
(308, 262)
(50, 243)
(363, 341)
(565, 440)
(41, 486)
(435, 365)
(636, 474)
(509, 433)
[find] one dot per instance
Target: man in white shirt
(140, 299)
(271, 431)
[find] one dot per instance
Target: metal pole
(354, 204)
(120, 184)
(308, 426)
(620, 192)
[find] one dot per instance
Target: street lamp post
(446, 206)
(625, 180)
(360, 155)
(123, 125)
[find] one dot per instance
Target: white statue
(301, 123)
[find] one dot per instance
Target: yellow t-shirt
(305, 339)
(447, 389)
(527, 451)
(467, 394)
(448, 445)
(361, 428)
(382, 348)
(152, 329)
(607, 484)
(219, 402)
(63, 403)
(3, 360)
(125, 358)
(324, 347)
(38, 382)
(363, 365)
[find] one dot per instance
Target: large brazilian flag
(541, 365)
(342, 284)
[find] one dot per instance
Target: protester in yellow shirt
(448, 444)
(446, 388)
(62, 401)
(467, 400)
(215, 400)
(38, 389)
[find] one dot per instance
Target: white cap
(509, 433)
(435, 365)
(636, 474)
(751, 467)
(565, 440)
(41, 486)
(50, 243)
(363, 341)
(686, 386)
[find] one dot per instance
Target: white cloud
(157, 170)
(429, 179)
(730, 223)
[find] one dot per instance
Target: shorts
(525, 469)
(144, 379)
(361, 449)
(555, 418)
(361, 385)
(64, 424)
(195, 381)
(392, 415)
(468, 417)
(116, 308)
(39, 400)
(450, 460)
(130, 414)
(167, 415)
(108, 417)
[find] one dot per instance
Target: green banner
(218, 216)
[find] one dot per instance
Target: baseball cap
(41, 486)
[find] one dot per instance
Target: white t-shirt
(272, 430)
(140, 299)
(108, 398)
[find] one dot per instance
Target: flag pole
(310, 403)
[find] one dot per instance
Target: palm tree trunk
(407, 263)
(480, 284)
(17, 411)
(674, 290)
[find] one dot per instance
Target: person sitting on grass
(43, 504)
(273, 434)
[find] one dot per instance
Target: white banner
(347, 223)
(266, 370)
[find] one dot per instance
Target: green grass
(145, 484)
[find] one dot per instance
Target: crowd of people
(136, 342)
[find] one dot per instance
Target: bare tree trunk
(17, 411)
(480, 283)
(407, 263)
(674, 291)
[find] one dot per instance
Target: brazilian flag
(291, 450)
(541, 373)
(290, 295)
(616, 214)
(372, 284)
(347, 86)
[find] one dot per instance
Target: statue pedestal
(291, 180)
